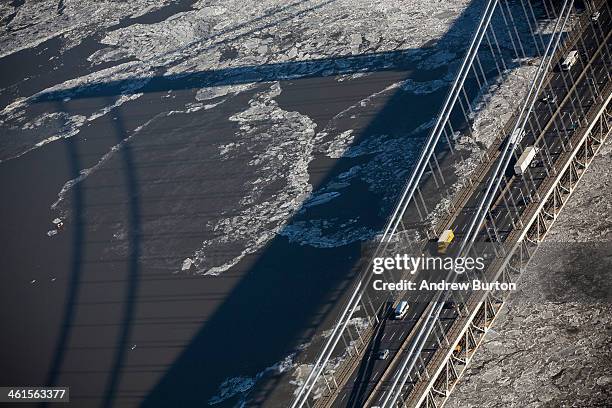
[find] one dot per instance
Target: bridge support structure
(455, 352)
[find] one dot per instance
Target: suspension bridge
(498, 213)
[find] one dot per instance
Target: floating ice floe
(39, 21)
(327, 233)
(321, 199)
(339, 144)
(241, 385)
(187, 264)
(280, 144)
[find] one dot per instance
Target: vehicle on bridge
(517, 135)
(595, 16)
(550, 98)
(400, 310)
(445, 239)
(525, 160)
(449, 304)
(383, 354)
(570, 60)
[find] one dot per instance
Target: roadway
(550, 126)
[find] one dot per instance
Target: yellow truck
(445, 239)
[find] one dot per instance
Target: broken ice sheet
(280, 145)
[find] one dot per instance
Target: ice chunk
(187, 264)
(321, 199)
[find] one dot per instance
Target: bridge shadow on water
(287, 291)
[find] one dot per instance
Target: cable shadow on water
(134, 232)
(78, 223)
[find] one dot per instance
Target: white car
(400, 310)
(383, 354)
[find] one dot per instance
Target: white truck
(525, 160)
(570, 60)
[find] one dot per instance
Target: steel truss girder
(585, 153)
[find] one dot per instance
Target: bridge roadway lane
(369, 372)
(390, 336)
